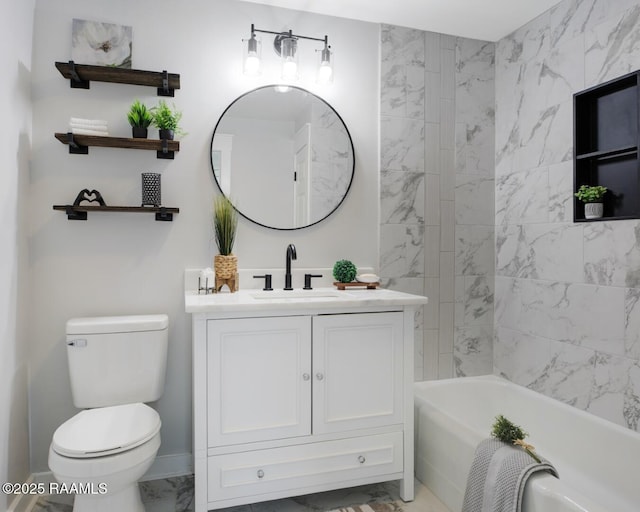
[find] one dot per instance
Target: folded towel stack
(81, 126)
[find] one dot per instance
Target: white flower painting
(101, 44)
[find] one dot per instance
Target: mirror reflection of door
(302, 180)
(292, 162)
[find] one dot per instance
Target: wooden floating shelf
(79, 144)
(80, 76)
(80, 212)
(356, 284)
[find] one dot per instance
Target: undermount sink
(297, 294)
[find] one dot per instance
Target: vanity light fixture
(285, 45)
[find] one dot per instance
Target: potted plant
(166, 120)
(225, 224)
(140, 118)
(591, 196)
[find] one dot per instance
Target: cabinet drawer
(263, 471)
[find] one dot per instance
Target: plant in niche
(166, 119)
(344, 271)
(588, 194)
(140, 118)
(225, 223)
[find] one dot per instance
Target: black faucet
(291, 255)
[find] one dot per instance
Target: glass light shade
(252, 52)
(289, 57)
(325, 71)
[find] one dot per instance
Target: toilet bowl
(116, 366)
(101, 454)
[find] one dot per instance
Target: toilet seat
(106, 431)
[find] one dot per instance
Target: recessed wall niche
(606, 146)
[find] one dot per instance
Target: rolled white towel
(84, 131)
(80, 120)
(97, 127)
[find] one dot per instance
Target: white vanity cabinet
(301, 399)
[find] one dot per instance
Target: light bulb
(324, 73)
(252, 64)
(289, 69)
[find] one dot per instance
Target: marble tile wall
(437, 193)
(567, 314)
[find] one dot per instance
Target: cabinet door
(357, 366)
(258, 382)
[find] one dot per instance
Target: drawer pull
(319, 376)
(361, 459)
(260, 473)
(306, 376)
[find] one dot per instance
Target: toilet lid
(106, 430)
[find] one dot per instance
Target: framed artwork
(101, 44)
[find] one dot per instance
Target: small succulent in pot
(588, 194)
(140, 119)
(344, 271)
(166, 120)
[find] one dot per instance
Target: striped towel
(498, 475)
(372, 507)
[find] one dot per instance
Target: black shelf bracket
(165, 90)
(164, 215)
(164, 153)
(74, 147)
(76, 82)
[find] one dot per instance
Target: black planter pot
(139, 132)
(166, 134)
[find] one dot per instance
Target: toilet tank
(117, 360)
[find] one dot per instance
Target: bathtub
(598, 461)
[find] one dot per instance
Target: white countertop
(301, 300)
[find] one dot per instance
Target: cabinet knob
(319, 376)
(362, 459)
(260, 473)
(306, 376)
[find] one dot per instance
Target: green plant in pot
(344, 271)
(166, 120)
(225, 225)
(592, 196)
(140, 119)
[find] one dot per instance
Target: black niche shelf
(79, 144)
(81, 75)
(79, 212)
(606, 142)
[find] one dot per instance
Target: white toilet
(115, 364)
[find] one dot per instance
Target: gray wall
(126, 264)
(437, 192)
(567, 295)
(16, 32)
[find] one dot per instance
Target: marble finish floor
(176, 495)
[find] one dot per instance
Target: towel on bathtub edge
(498, 475)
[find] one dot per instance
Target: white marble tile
(402, 198)
(474, 250)
(446, 276)
(632, 323)
(522, 358)
(432, 308)
(432, 251)
(447, 124)
(402, 250)
(475, 203)
(402, 144)
(415, 88)
(432, 51)
(402, 45)
(612, 48)
(432, 200)
(393, 89)
(541, 251)
(612, 253)
(432, 97)
(561, 192)
(418, 355)
(473, 351)
(432, 146)
(446, 328)
(478, 301)
(523, 197)
(447, 73)
(445, 366)
(447, 175)
(447, 225)
(430, 363)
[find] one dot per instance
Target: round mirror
(283, 156)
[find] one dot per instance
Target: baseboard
(165, 466)
(23, 502)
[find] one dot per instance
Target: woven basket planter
(225, 266)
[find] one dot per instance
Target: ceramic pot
(166, 134)
(139, 132)
(593, 210)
